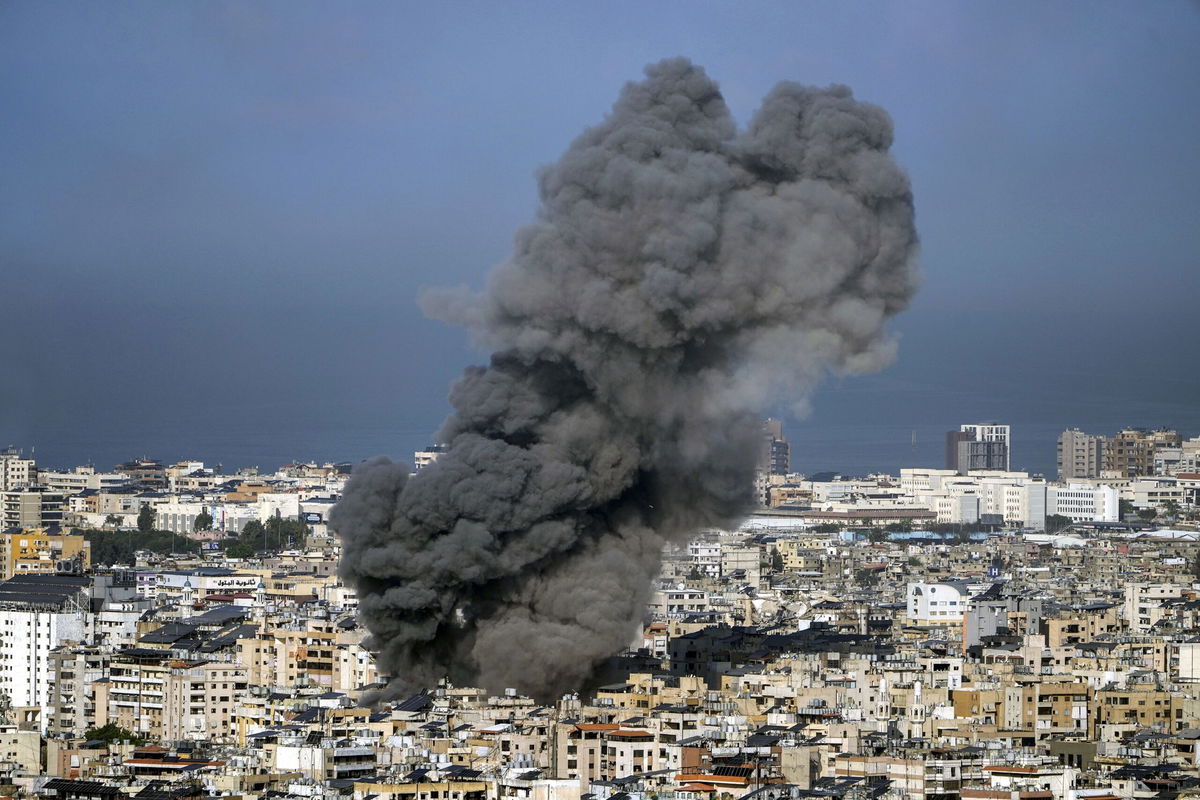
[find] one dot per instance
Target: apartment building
(16, 472)
(1080, 455)
(1143, 703)
(1130, 453)
(306, 658)
(42, 551)
(81, 479)
(199, 699)
(1156, 492)
(73, 672)
(775, 455)
(37, 614)
(1144, 603)
(31, 507)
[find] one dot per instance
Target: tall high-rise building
(1131, 452)
(37, 614)
(775, 457)
(1080, 455)
(953, 439)
(983, 445)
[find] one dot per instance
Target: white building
(423, 458)
(314, 512)
(1154, 493)
(194, 584)
(15, 471)
(1143, 603)
(81, 479)
(179, 516)
(1018, 498)
(116, 623)
(1014, 497)
(278, 504)
(705, 554)
(37, 614)
(941, 603)
(1082, 502)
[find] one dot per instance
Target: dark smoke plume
(680, 277)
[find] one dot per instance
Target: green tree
(119, 547)
(875, 536)
(202, 522)
(1124, 508)
(1147, 514)
(112, 520)
(1056, 523)
(145, 520)
(776, 561)
(239, 550)
(1171, 509)
(865, 577)
(112, 732)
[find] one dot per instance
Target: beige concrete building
(20, 751)
(160, 697)
(1143, 603)
(333, 661)
(1130, 453)
(1080, 455)
(31, 507)
(36, 551)
(199, 700)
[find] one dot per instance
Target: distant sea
(362, 395)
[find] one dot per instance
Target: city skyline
(797, 399)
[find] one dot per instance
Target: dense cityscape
(169, 631)
(791, 401)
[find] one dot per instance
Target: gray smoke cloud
(680, 277)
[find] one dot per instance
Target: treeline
(277, 534)
(121, 547)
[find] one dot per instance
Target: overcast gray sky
(215, 217)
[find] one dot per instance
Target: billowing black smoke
(680, 277)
